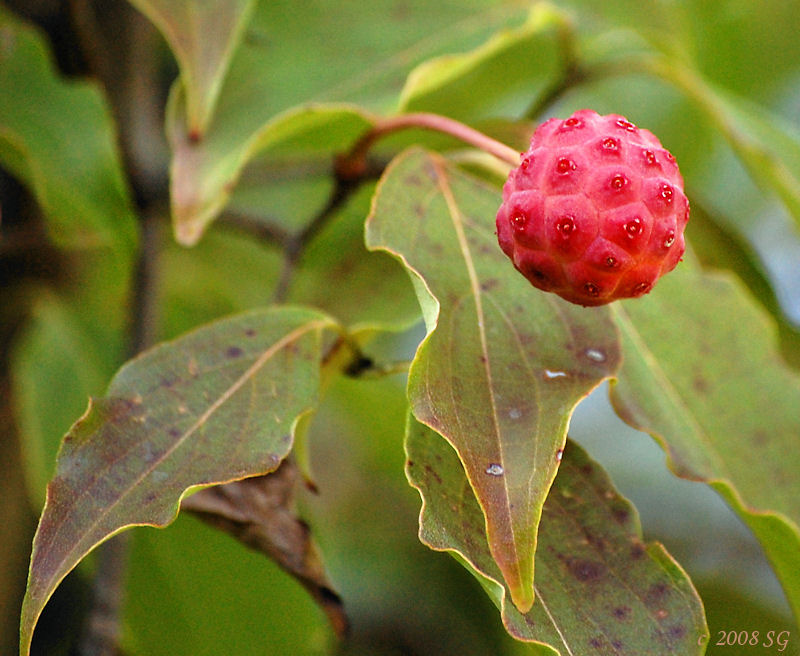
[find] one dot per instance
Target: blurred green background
(194, 591)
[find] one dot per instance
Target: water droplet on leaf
(495, 470)
(548, 373)
(595, 355)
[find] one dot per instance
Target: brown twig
(353, 165)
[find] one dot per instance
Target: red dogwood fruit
(595, 211)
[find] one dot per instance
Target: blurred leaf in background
(268, 94)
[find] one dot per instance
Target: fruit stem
(353, 164)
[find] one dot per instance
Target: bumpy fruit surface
(595, 211)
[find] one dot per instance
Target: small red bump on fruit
(598, 214)
(617, 181)
(565, 165)
(565, 226)
(591, 289)
(633, 228)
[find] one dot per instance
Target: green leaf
(203, 36)
(59, 139)
(204, 173)
(599, 588)
(500, 77)
(503, 364)
(365, 63)
(718, 248)
(702, 374)
(216, 405)
(54, 347)
(767, 146)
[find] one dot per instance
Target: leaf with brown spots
(599, 589)
(702, 373)
(216, 405)
(503, 365)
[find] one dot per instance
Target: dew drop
(670, 239)
(633, 228)
(495, 470)
(611, 262)
(591, 289)
(649, 156)
(519, 221)
(610, 144)
(625, 125)
(559, 454)
(565, 165)
(549, 373)
(666, 192)
(595, 355)
(641, 288)
(618, 182)
(525, 163)
(669, 156)
(572, 123)
(515, 413)
(565, 226)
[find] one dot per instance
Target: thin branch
(353, 165)
(268, 231)
(294, 245)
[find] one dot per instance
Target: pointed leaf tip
(599, 587)
(503, 365)
(216, 405)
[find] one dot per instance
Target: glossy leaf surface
(702, 373)
(599, 588)
(503, 365)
